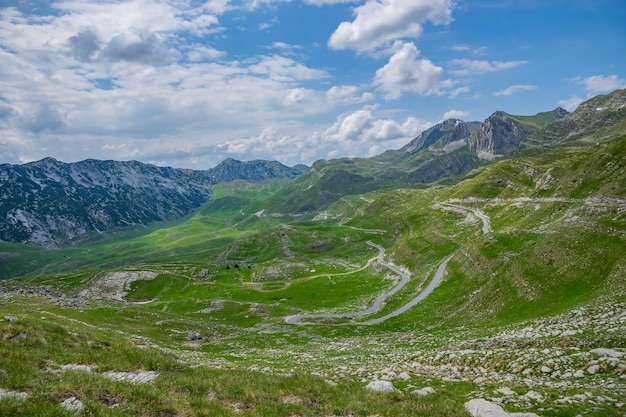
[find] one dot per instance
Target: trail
(404, 278)
(482, 216)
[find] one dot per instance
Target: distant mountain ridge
(50, 203)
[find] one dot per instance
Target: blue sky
(188, 83)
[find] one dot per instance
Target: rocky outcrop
(257, 170)
(449, 131)
(499, 134)
(50, 203)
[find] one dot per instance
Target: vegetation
(530, 313)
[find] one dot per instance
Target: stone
(579, 374)
(424, 391)
(72, 404)
(483, 408)
(602, 352)
(134, 378)
(381, 386)
(4, 393)
(593, 369)
(11, 318)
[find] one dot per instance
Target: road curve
(404, 278)
(482, 216)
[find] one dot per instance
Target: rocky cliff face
(499, 134)
(258, 170)
(50, 203)
(449, 131)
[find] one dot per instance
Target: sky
(189, 83)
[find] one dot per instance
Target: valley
(346, 291)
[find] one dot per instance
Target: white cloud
(327, 2)
(457, 91)
(377, 23)
(571, 103)
(347, 94)
(405, 72)
(470, 66)
(476, 51)
(454, 114)
(597, 84)
(514, 89)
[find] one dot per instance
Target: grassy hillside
(529, 314)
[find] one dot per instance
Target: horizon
(188, 84)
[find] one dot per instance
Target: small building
(203, 274)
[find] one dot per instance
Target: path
(482, 216)
(404, 278)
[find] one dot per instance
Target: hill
(501, 287)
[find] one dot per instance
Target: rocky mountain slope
(450, 148)
(50, 203)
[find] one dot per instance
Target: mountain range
(51, 203)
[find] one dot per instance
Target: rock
(75, 367)
(579, 374)
(593, 369)
(483, 408)
(404, 376)
(134, 378)
(12, 394)
(381, 386)
(600, 351)
(424, 391)
(505, 391)
(72, 404)
(11, 318)
(194, 336)
(546, 369)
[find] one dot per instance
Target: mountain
(448, 149)
(50, 203)
(257, 170)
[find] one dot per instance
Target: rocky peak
(258, 170)
(447, 131)
(499, 134)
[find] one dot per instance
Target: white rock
(404, 376)
(608, 352)
(593, 369)
(4, 393)
(579, 373)
(546, 369)
(483, 408)
(532, 395)
(72, 404)
(424, 391)
(76, 367)
(135, 378)
(381, 386)
(505, 391)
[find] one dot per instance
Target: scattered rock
(593, 369)
(483, 408)
(72, 404)
(381, 386)
(603, 352)
(11, 318)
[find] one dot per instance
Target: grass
(550, 253)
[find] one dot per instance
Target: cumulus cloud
(470, 66)
(145, 48)
(405, 72)
(597, 84)
(377, 23)
(347, 94)
(454, 114)
(514, 89)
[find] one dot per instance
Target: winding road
(404, 278)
